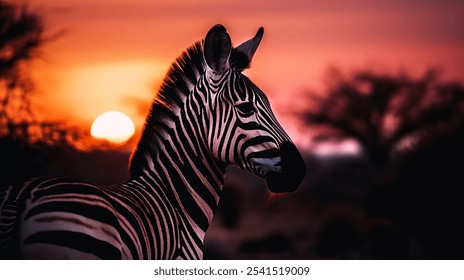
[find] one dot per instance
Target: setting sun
(114, 127)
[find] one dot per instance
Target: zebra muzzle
(292, 172)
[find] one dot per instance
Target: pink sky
(113, 53)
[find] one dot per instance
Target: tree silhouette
(21, 40)
(21, 36)
(421, 194)
(27, 145)
(385, 112)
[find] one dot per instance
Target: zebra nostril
(293, 170)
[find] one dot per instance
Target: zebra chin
(292, 173)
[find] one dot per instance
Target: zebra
(206, 116)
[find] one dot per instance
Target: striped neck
(172, 153)
(193, 183)
(177, 85)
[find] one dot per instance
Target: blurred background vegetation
(399, 197)
(30, 147)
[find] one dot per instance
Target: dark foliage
(424, 196)
(411, 132)
(21, 40)
(20, 161)
(275, 243)
(21, 36)
(383, 112)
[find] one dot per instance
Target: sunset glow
(113, 55)
(114, 127)
(232, 130)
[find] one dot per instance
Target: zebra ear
(249, 47)
(217, 47)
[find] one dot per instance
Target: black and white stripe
(206, 116)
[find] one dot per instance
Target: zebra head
(241, 127)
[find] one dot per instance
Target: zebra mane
(180, 79)
(177, 84)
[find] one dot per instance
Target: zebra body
(206, 116)
(65, 218)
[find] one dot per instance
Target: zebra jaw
(292, 172)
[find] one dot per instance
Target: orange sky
(114, 52)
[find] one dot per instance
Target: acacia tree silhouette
(26, 144)
(385, 112)
(422, 193)
(21, 40)
(21, 36)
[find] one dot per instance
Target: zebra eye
(246, 108)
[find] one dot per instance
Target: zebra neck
(172, 153)
(188, 174)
